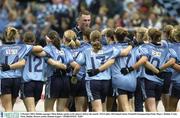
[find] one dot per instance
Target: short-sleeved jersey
(124, 82)
(93, 60)
(11, 54)
(176, 75)
(170, 46)
(34, 69)
(62, 55)
(75, 52)
(157, 55)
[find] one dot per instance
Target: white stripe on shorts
(89, 93)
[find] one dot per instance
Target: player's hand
(126, 70)
(149, 72)
(163, 75)
(74, 79)
(68, 69)
(132, 43)
(93, 72)
(5, 67)
(47, 57)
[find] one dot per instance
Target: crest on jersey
(155, 53)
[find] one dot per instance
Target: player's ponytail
(29, 38)
(95, 38)
(154, 35)
(70, 39)
(167, 30)
(86, 34)
(10, 34)
(176, 33)
(120, 34)
(55, 39)
(141, 34)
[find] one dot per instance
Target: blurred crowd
(41, 15)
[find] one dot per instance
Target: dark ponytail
(54, 36)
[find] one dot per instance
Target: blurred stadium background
(60, 15)
(41, 15)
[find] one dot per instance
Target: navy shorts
(97, 89)
(119, 92)
(167, 82)
(32, 89)
(78, 89)
(152, 89)
(57, 87)
(10, 86)
(175, 91)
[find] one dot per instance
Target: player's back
(34, 69)
(157, 55)
(176, 75)
(11, 54)
(124, 82)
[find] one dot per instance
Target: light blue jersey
(157, 55)
(93, 60)
(34, 69)
(176, 75)
(63, 55)
(170, 46)
(75, 52)
(124, 82)
(11, 54)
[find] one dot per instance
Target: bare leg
(61, 104)
(97, 105)
(29, 104)
(81, 103)
(150, 105)
(6, 100)
(49, 104)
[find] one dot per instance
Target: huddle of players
(102, 69)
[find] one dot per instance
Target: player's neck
(9, 42)
(95, 50)
(156, 43)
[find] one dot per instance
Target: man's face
(84, 21)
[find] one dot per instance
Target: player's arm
(125, 52)
(37, 49)
(107, 64)
(139, 63)
(151, 67)
(176, 67)
(17, 65)
(80, 60)
(40, 54)
(73, 64)
(169, 63)
(56, 64)
(76, 69)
